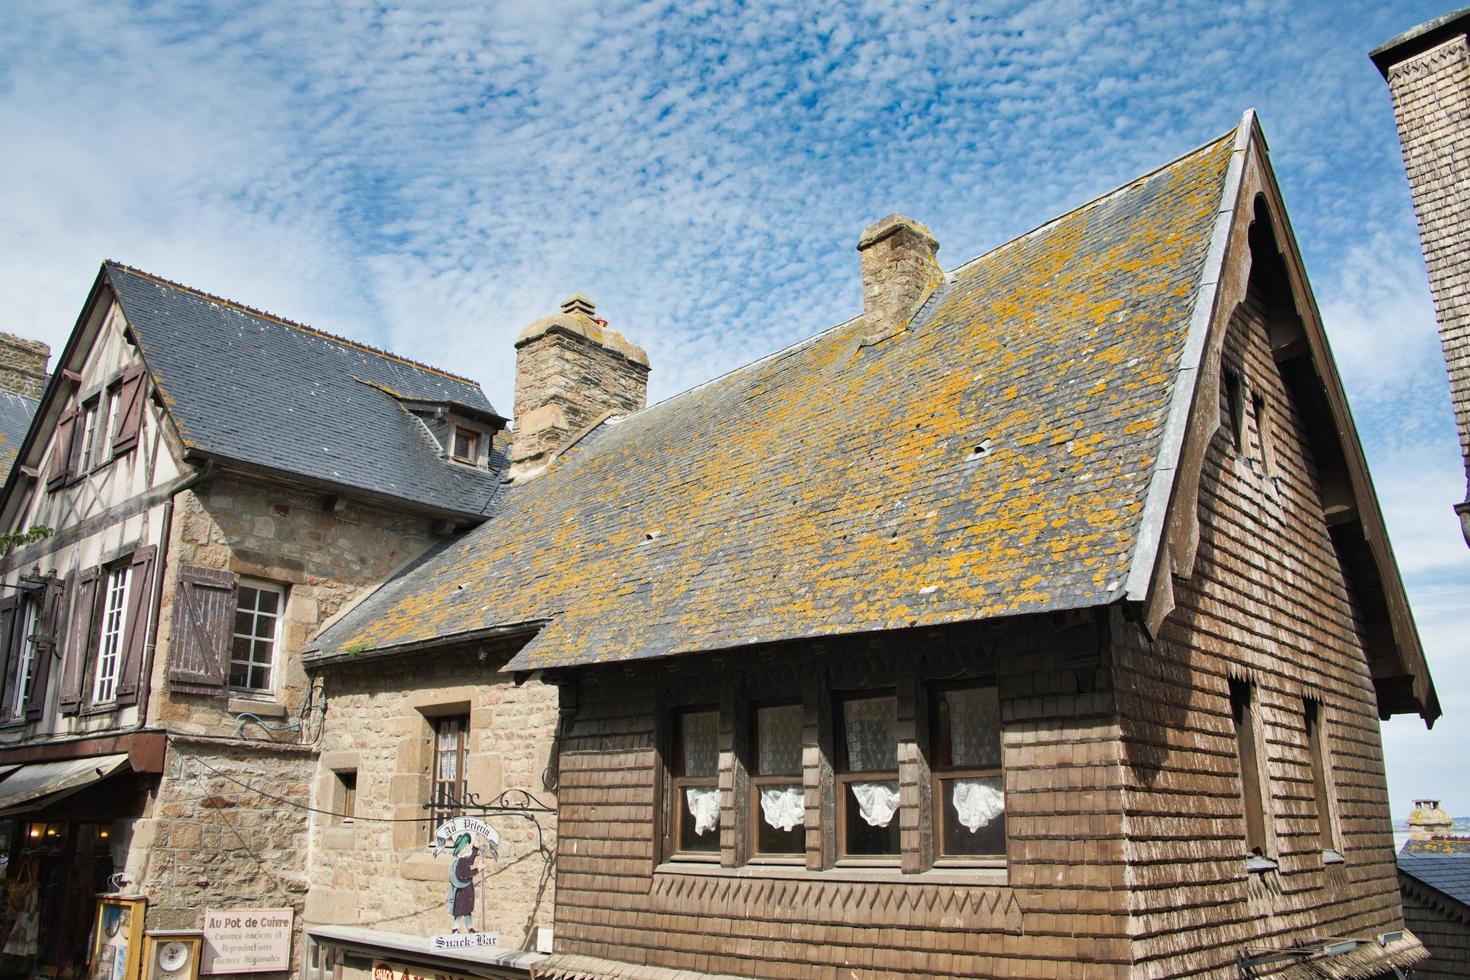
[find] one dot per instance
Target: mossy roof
(991, 460)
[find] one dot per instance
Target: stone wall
(23, 365)
(325, 556)
(1431, 98)
(375, 869)
(224, 830)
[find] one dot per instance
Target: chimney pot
(1428, 821)
(899, 274)
(23, 365)
(579, 303)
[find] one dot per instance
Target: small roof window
(465, 447)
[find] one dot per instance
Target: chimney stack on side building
(572, 372)
(23, 365)
(899, 274)
(1428, 821)
(1428, 73)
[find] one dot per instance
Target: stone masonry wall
(1431, 98)
(23, 365)
(375, 870)
(211, 842)
(324, 558)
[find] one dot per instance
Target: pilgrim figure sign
(465, 838)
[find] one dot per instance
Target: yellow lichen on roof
(990, 460)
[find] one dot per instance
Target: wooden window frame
(85, 438)
(344, 793)
(29, 645)
(843, 775)
(282, 596)
(473, 437)
(438, 811)
(1245, 718)
(757, 780)
(105, 593)
(1319, 754)
(939, 774)
(677, 783)
(1232, 382)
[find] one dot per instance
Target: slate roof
(991, 460)
(16, 412)
(1443, 865)
(248, 387)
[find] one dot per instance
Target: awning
(40, 783)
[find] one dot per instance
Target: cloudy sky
(430, 177)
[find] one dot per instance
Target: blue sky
(432, 177)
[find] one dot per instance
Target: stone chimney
(899, 273)
(1428, 73)
(1428, 821)
(23, 365)
(571, 372)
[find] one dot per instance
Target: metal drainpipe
(186, 483)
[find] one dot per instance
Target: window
(25, 671)
(107, 436)
(1321, 772)
(258, 608)
(867, 775)
(696, 790)
(466, 445)
(969, 789)
(1263, 435)
(111, 634)
(346, 795)
(778, 808)
(1234, 389)
(1242, 711)
(451, 752)
(89, 437)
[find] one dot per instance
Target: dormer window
(466, 447)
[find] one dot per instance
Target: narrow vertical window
(110, 639)
(258, 608)
(108, 433)
(778, 813)
(969, 788)
(696, 781)
(346, 795)
(451, 753)
(1242, 711)
(867, 775)
(1263, 435)
(1234, 391)
(89, 436)
(1321, 769)
(25, 673)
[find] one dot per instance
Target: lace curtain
(977, 802)
(704, 807)
(783, 807)
(974, 726)
(877, 801)
(700, 732)
(870, 726)
(779, 734)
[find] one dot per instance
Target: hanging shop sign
(383, 970)
(247, 940)
(465, 838)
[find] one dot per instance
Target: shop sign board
(383, 970)
(247, 940)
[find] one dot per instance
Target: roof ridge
(283, 321)
(1228, 134)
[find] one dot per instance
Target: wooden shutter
(60, 467)
(49, 628)
(78, 640)
(130, 403)
(135, 637)
(9, 650)
(204, 609)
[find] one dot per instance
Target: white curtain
(871, 728)
(877, 802)
(704, 807)
(976, 803)
(783, 807)
(974, 726)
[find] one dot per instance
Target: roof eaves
(1143, 571)
(347, 655)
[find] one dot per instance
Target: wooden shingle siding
(1267, 605)
(1442, 924)
(1056, 910)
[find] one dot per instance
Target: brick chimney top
(899, 274)
(23, 365)
(1428, 821)
(579, 303)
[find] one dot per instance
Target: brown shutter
(49, 628)
(204, 609)
(60, 467)
(9, 650)
(140, 609)
(130, 403)
(78, 640)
